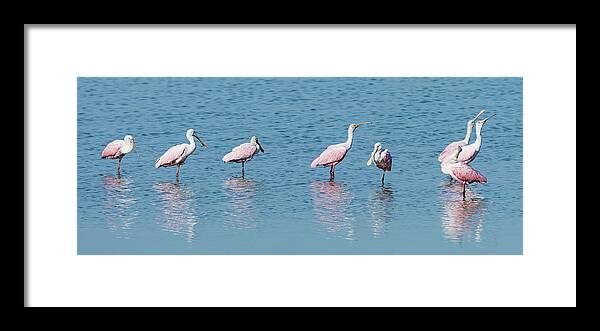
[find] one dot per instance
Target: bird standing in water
(382, 159)
(334, 154)
(117, 149)
(244, 152)
(461, 171)
(176, 155)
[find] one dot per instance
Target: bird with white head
(382, 159)
(334, 154)
(244, 152)
(452, 146)
(469, 152)
(117, 149)
(176, 155)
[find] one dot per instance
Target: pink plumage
(244, 152)
(386, 161)
(334, 154)
(331, 156)
(117, 149)
(467, 154)
(113, 149)
(449, 149)
(466, 174)
(174, 155)
(241, 153)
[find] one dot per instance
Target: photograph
(284, 165)
(299, 165)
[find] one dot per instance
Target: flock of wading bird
(454, 159)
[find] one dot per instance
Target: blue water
(283, 206)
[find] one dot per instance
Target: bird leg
(331, 173)
(464, 190)
(177, 173)
(243, 169)
(382, 177)
(119, 169)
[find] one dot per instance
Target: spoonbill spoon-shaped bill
(382, 159)
(469, 152)
(462, 172)
(117, 149)
(244, 152)
(451, 147)
(334, 154)
(176, 155)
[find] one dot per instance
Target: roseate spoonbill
(176, 155)
(334, 154)
(117, 150)
(244, 152)
(461, 171)
(382, 159)
(450, 148)
(469, 152)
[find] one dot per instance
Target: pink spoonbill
(334, 154)
(176, 155)
(244, 152)
(117, 150)
(461, 171)
(469, 152)
(450, 148)
(382, 159)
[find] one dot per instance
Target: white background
(544, 275)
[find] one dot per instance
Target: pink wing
(449, 149)
(386, 158)
(113, 150)
(243, 152)
(333, 154)
(467, 174)
(467, 154)
(171, 156)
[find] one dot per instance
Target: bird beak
(260, 147)
(372, 156)
(478, 115)
(201, 142)
(485, 120)
(359, 124)
(456, 154)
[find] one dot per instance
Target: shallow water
(283, 206)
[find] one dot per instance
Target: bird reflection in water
(461, 220)
(240, 212)
(381, 203)
(332, 206)
(179, 216)
(118, 205)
